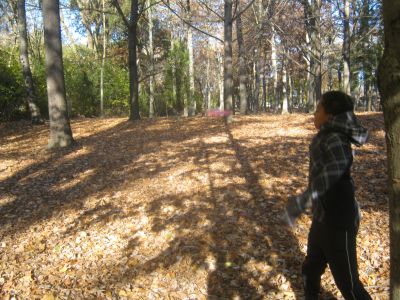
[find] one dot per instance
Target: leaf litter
(173, 209)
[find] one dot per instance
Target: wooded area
(62, 61)
(160, 58)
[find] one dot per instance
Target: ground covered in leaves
(173, 209)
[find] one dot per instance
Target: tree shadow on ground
(64, 179)
(234, 231)
(226, 226)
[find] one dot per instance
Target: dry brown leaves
(172, 209)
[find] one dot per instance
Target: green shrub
(12, 92)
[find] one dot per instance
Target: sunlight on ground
(185, 208)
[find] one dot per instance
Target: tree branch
(243, 10)
(121, 13)
(188, 23)
(210, 9)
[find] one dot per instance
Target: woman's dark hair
(336, 102)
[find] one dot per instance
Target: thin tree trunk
(256, 80)
(312, 11)
(207, 99)
(274, 68)
(191, 101)
(285, 91)
(346, 47)
(131, 25)
(26, 67)
(220, 72)
(60, 130)
(242, 63)
(133, 67)
(151, 52)
(264, 88)
(366, 64)
(103, 60)
(174, 79)
(228, 75)
(317, 52)
(389, 86)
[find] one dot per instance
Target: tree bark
(312, 12)
(220, 73)
(228, 74)
(274, 69)
(151, 52)
(131, 25)
(26, 67)
(285, 105)
(133, 67)
(389, 87)
(103, 60)
(60, 129)
(346, 48)
(242, 63)
(366, 64)
(256, 81)
(191, 101)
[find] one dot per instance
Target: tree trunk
(389, 86)
(285, 91)
(103, 60)
(366, 64)
(175, 97)
(60, 130)
(274, 69)
(26, 67)
(310, 83)
(207, 98)
(228, 75)
(220, 73)
(242, 63)
(151, 52)
(133, 67)
(256, 80)
(312, 13)
(317, 52)
(189, 32)
(346, 48)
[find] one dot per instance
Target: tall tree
(228, 69)
(60, 129)
(151, 54)
(242, 62)
(389, 86)
(103, 60)
(191, 101)
(26, 67)
(346, 47)
(132, 24)
(312, 13)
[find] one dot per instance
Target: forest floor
(173, 209)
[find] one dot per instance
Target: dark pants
(338, 249)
